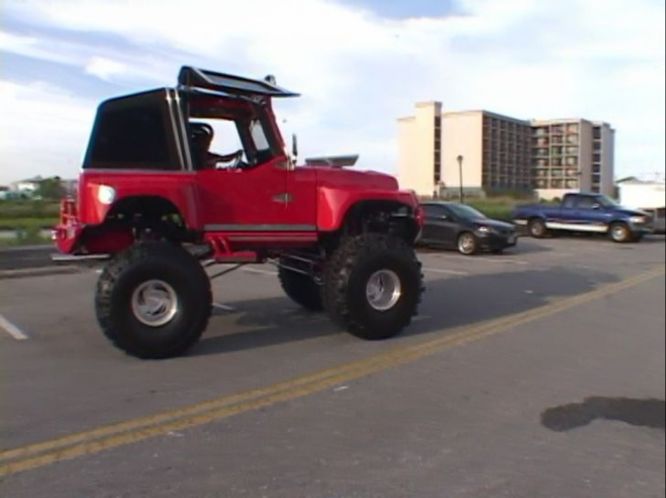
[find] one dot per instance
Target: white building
(500, 154)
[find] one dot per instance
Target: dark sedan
(458, 226)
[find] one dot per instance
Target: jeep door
(245, 193)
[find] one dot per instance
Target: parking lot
(535, 373)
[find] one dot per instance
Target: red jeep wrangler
(162, 206)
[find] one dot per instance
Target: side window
(132, 134)
(214, 142)
(586, 202)
(433, 212)
(569, 202)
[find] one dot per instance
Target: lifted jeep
(156, 201)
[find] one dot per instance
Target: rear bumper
(67, 234)
(67, 237)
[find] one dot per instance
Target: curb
(40, 272)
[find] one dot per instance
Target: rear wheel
(619, 232)
(372, 285)
(301, 289)
(153, 300)
(467, 244)
(537, 228)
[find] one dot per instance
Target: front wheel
(372, 285)
(153, 300)
(467, 244)
(619, 232)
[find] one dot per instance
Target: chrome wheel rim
(537, 229)
(618, 233)
(466, 244)
(154, 303)
(383, 290)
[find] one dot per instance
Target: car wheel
(372, 285)
(467, 244)
(153, 300)
(537, 228)
(619, 232)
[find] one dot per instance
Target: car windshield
(606, 201)
(466, 212)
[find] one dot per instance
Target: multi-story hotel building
(498, 153)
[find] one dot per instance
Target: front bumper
(496, 241)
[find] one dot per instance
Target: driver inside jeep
(202, 137)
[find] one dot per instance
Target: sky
(359, 65)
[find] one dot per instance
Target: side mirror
(596, 206)
(294, 146)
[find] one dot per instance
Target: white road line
(224, 307)
(12, 329)
(441, 270)
(263, 272)
(499, 259)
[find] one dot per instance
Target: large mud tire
(301, 289)
(153, 300)
(355, 303)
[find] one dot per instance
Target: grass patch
(18, 209)
(27, 223)
(25, 237)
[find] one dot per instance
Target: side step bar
(81, 258)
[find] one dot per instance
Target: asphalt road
(539, 373)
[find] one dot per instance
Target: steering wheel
(237, 159)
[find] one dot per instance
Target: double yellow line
(135, 430)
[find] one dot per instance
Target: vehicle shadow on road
(640, 412)
(447, 303)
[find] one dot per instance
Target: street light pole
(460, 161)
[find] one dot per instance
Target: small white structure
(26, 187)
(649, 196)
(639, 194)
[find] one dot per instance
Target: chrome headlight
(106, 194)
(637, 220)
(483, 229)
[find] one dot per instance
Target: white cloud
(104, 68)
(359, 71)
(42, 131)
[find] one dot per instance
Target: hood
(630, 212)
(352, 180)
(500, 225)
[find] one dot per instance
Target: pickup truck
(584, 213)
